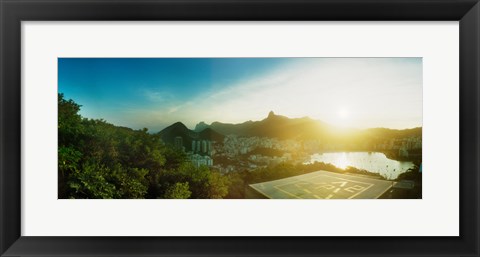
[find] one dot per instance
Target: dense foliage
(99, 160)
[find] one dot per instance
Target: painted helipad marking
(356, 187)
(343, 183)
(355, 190)
(326, 186)
(297, 188)
(354, 181)
(371, 185)
(286, 192)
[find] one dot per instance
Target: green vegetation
(266, 152)
(414, 175)
(415, 155)
(99, 160)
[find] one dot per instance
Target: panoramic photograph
(240, 128)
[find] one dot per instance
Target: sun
(342, 117)
(343, 114)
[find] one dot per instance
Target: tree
(237, 181)
(91, 182)
(70, 127)
(68, 162)
(178, 191)
(97, 159)
(203, 182)
(70, 131)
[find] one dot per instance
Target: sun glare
(342, 118)
(343, 114)
(342, 161)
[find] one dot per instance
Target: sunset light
(152, 93)
(239, 128)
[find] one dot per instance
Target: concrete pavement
(323, 185)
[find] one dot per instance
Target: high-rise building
(209, 147)
(178, 142)
(198, 146)
(193, 146)
(199, 160)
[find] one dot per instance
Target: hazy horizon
(157, 92)
(279, 114)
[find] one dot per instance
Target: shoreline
(357, 170)
(390, 154)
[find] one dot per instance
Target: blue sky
(156, 92)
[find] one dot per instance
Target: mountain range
(276, 126)
(281, 127)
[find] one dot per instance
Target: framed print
(201, 127)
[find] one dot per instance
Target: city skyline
(157, 92)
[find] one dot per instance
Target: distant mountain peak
(271, 114)
(178, 124)
(275, 117)
(201, 126)
(178, 129)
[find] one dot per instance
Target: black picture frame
(13, 12)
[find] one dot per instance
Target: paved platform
(323, 185)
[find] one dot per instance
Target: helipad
(323, 185)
